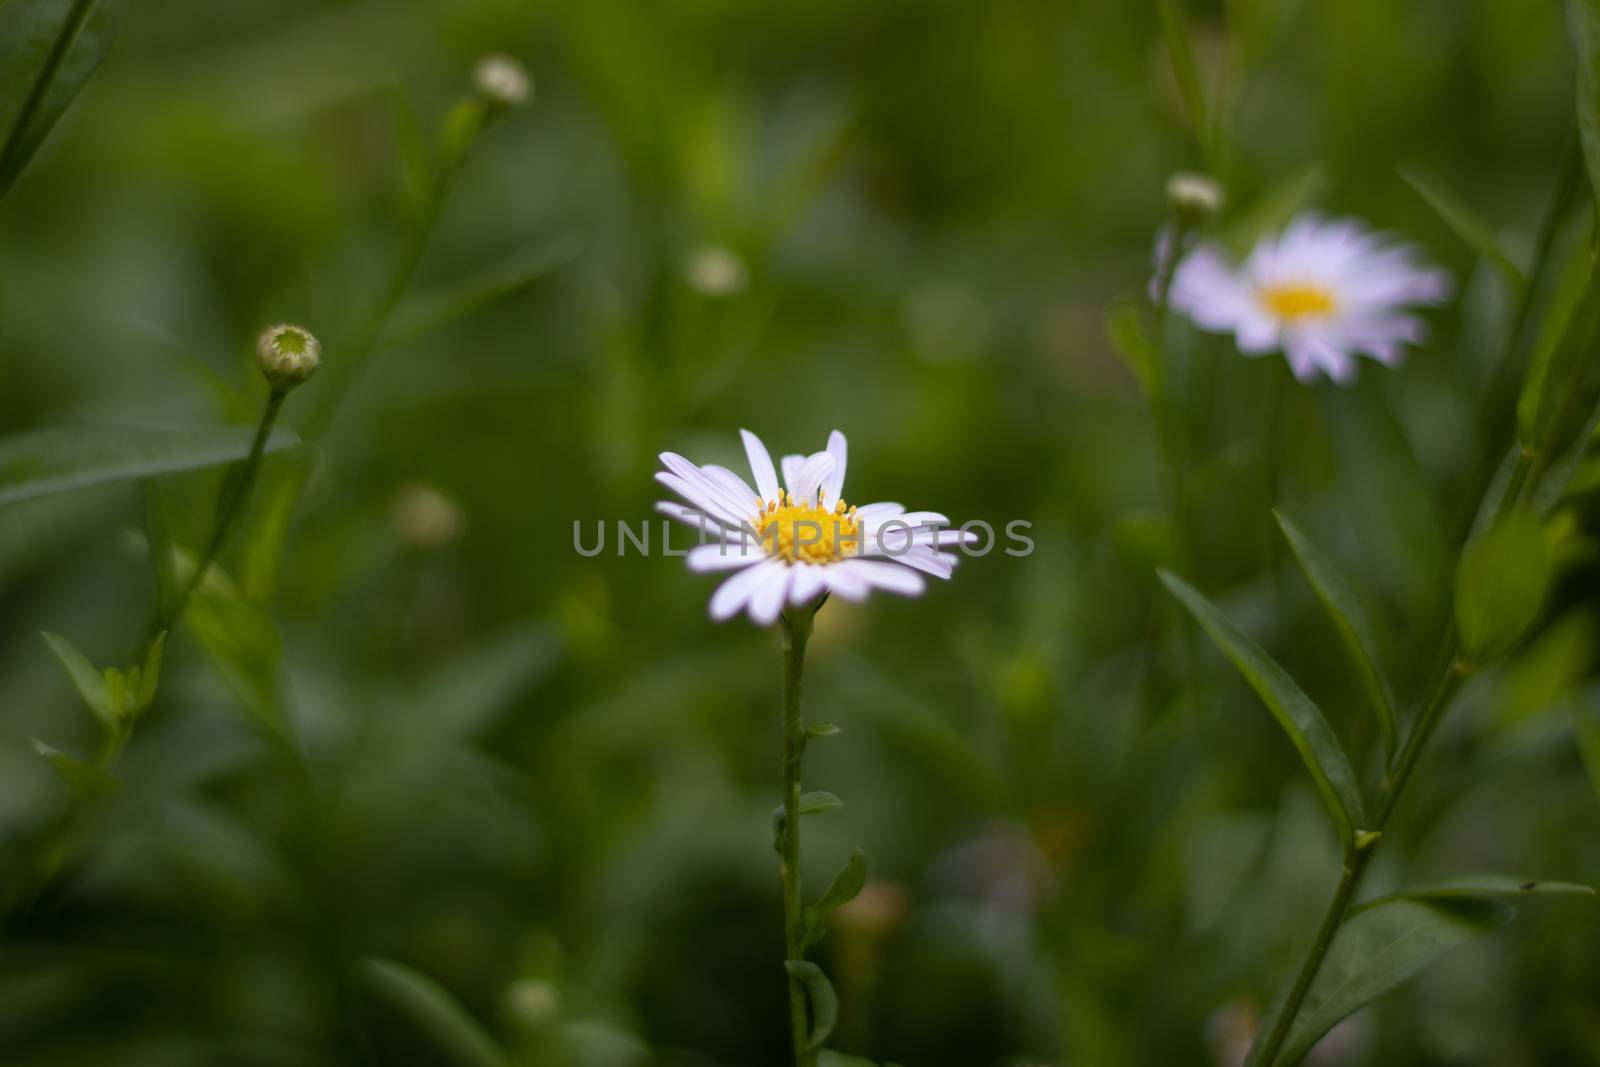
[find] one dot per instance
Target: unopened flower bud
(715, 270)
(502, 81)
(288, 355)
(1195, 198)
(426, 519)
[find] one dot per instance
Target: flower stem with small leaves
(1441, 690)
(797, 625)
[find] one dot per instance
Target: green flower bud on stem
(288, 355)
(1195, 198)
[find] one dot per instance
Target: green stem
(796, 631)
(1441, 690)
(77, 15)
(229, 508)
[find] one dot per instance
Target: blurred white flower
(1322, 292)
(789, 546)
(502, 80)
(715, 270)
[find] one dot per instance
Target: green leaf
(1273, 209)
(1125, 324)
(1586, 724)
(819, 991)
(90, 682)
(435, 1011)
(430, 311)
(1351, 622)
(1254, 26)
(846, 884)
(150, 674)
(1500, 585)
(263, 545)
(819, 803)
(243, 643)
(48, 51)
(1583, 23)
(822, 729)
(1568, 315)
(1374, 951)
(1480, 887)
(1295, 712)
(41, 462)
(83, 778)
(1473, 231)
(1187, 72)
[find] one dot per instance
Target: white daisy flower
(791, 545)
(1322, 292)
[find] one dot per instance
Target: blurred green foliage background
(543, 781)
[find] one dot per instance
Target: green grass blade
(1472, 230)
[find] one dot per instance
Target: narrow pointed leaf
(435, 1012)
(1295, 712)
(1351, 622)
(1482, 887)
(49, 50)
(822, 729)
(150, 675)
(1559, 343)
(819, 803)
(89, 682)
(83, 778)
(824, 1004)
(1375, 951)
(846, 884)
(1583, 24)
(1186, 71)
(1473, 231)
(57, 460)
(1500, 585)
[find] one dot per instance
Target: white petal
(732, 595)
(766, 600)
(833, 484)
(928, 561)
(723, 557)
(709, 502)
(810, 476)
(808, 583)
(791, 470)
(888, 576)
(735, 497)
(869, 514)
(844, 583)
(760, 465)
(737, 487)
(710, 528)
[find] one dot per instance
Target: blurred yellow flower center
(807, 532)
(1296, 301)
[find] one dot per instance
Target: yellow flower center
(802, 532)
(1296, 301)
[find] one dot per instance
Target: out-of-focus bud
(288, 355)
(1195, 198)
(426, 519)
(531, 1003)
(502, 81)
(715, 270)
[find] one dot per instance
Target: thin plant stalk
(1441, 690)
(797, 627)
(229, 507)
